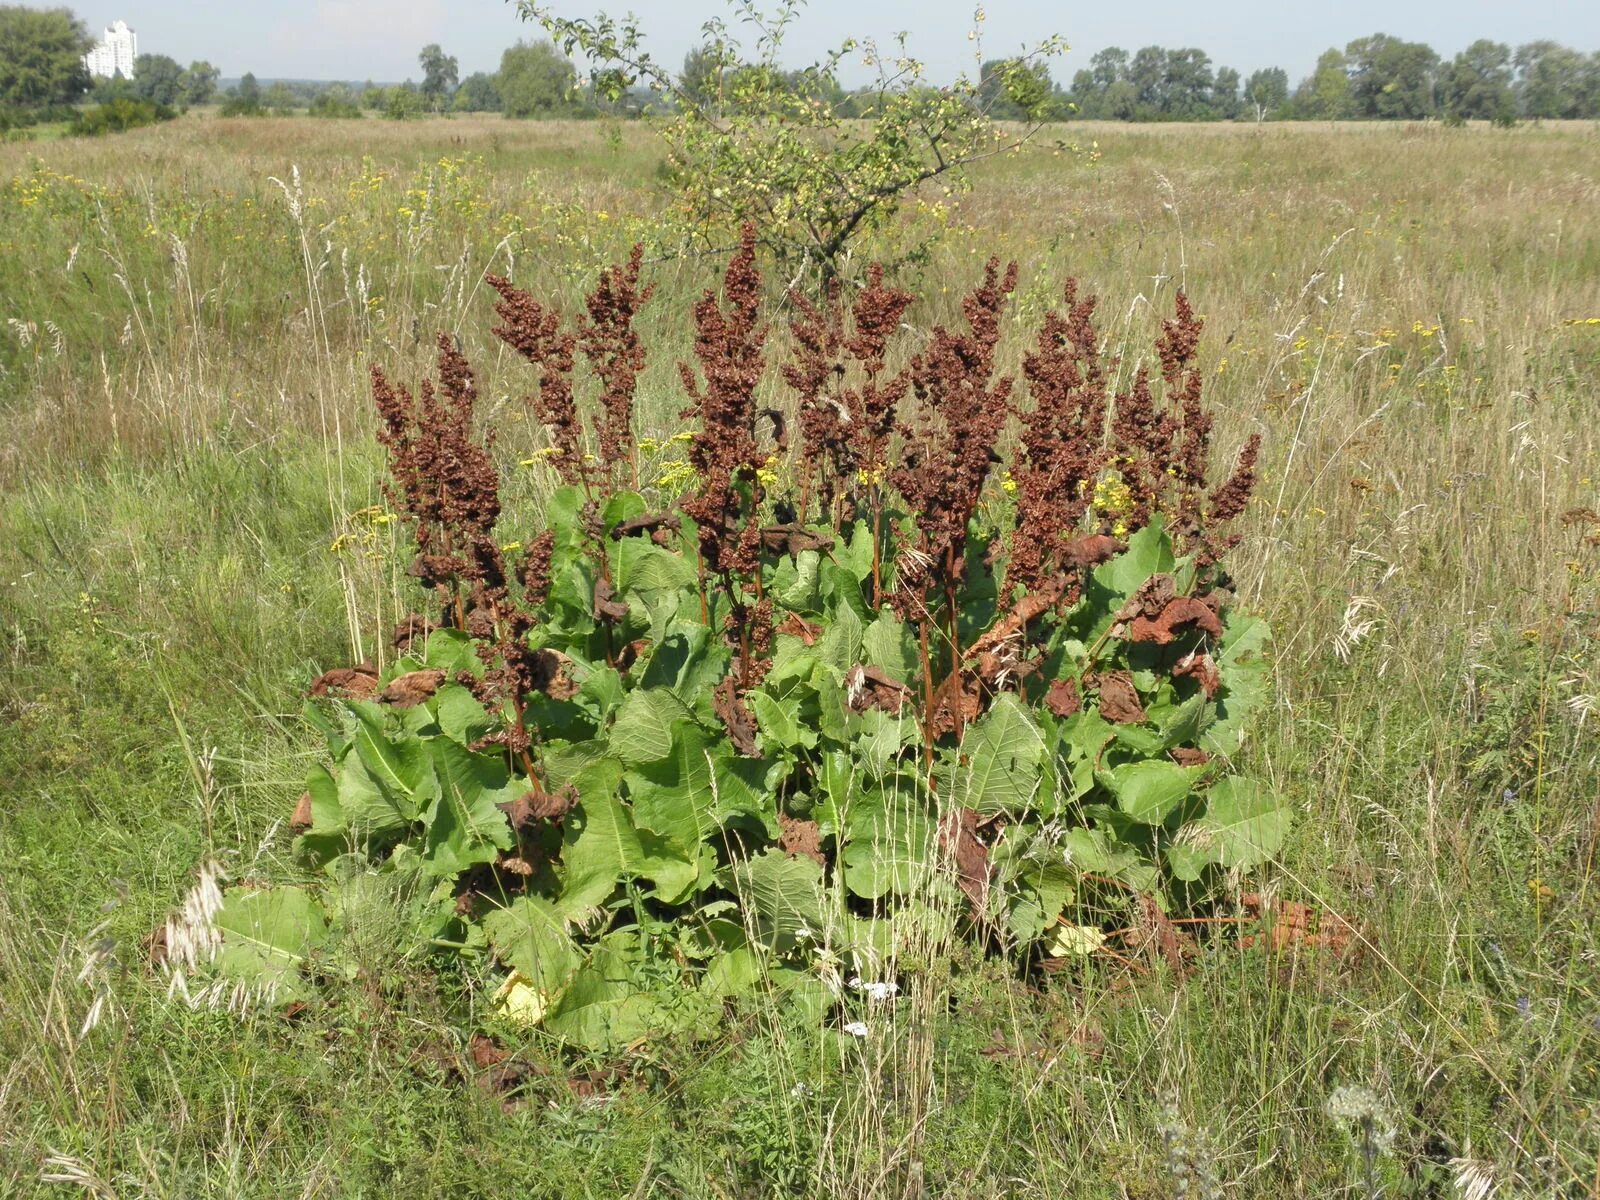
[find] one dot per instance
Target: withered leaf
(792, 539)
(1203, 669)
(1026, 609)
(958, 835)
(1119, 699)
(797, 626)
(1293, 925)
(735, 717)
(485, 1053)
(1156, 934)
(540, 805)
(412, 688)
(647, 523)
(411, 629)
(798, 836)
(1153, 595)
(1091, 551)
(358, 681)
(873, 687)
(1062, 697)
(552, 674)
(606, 606)
(1185, 610)
(955, 704)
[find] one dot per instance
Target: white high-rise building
(114, 52)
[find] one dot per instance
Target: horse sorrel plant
(966, 660)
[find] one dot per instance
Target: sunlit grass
(1401, 312)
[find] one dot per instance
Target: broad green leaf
(326, 814)
(841, 589)
(563, 511)
(623, 506)
(601, 845)
(786, 894)
(854, 552)
(794, 584)
(1031, 872)
(1037, 898)
(887, 643)
(1149, 789)
(461, 715)
(1243, 826)
(832, 705)
(603, 689)
(888, 846)
(674, 796)
(791, 659)
(840, 646)
(737, 972)
(1246, 684)
(399, 766)
(687, 660)
(605, 1005)
(642, 732)
(373, 814)
(531, 936)
(643, 566)
(879, 739)
(1149, 552)
(1094, 852)
(779, 722)
(1184, 723)
(465, 826)
(266, 935)
(449, 650)
(1005, 753)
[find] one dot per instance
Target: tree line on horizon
(1380, 77)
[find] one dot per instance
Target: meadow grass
(1409, 315)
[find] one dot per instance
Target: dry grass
(1399, 311)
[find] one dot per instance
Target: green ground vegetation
(1410, 316)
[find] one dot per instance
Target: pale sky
(379, 39)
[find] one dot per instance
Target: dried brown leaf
(1119, 699)
(412, 688)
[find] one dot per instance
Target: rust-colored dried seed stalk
(617, 356)
(534, 332)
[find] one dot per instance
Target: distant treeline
(1373, 78)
